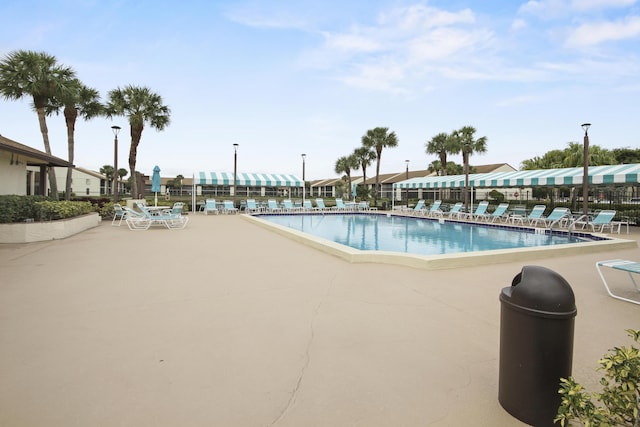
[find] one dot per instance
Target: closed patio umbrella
(155, 183)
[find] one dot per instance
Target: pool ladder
(571, 225)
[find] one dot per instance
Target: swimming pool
(421, 236)
(429, 262)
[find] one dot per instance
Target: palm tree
(441, 145)
(345, 165)
(141, 106)
(38, 75)
(364, 156)
(465, 142)
(82, 101)
(377, 139)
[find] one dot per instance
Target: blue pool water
(414, 235)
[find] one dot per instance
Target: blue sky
(281, 78)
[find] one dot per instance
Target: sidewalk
(225, 323)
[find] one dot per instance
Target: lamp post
(304, 184)
(235, 172)
(116, 130)
(407, 177)
(585, 175)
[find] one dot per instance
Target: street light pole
(116, 130)
(304, 184)
(407, 177)
(235, 173)
(585, 175)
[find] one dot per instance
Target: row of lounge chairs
(287, 206)
(560, 216)
(211, 207)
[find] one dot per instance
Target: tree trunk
(53, 185)
(136, 134)
(70, 115)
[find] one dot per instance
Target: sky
(287, 77)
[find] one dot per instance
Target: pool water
(375, 232)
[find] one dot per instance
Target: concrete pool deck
(226, 323)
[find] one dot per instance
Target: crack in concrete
(296, 388)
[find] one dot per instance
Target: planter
(26, 232)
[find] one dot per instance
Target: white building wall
(13, 177)
(82, 183)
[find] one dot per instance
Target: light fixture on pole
(304, 184)
(235, 172)
(407, 177)
(585, 175)
(116, 130)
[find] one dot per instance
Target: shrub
(620, 397)
(52, 210)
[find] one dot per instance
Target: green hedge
(39, 208)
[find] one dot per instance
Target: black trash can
(536, 344)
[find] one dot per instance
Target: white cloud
(600, 4)
(518, 24)
(590, 34)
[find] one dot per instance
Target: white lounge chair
(556, 215)
(228, 208)
(210, 206)
(119, 214)
(631, 267)
(498, 213)
(481, 210)
(602, 221)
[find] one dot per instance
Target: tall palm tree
(140, 106)
(467, 144)
(364, 156)
(26, 73)
(441, 145)
(377, 139)
(82, 101)
(345, 165)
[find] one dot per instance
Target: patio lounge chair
(289, 207)
(480, 211)
(498, 213)
(228, 208)
(557, 215)
(210, 206)
(272, 206)
(418, 209)
(455, 210)
(535, 214)
(136, 221)
(252, 207)
(340, 206)
(119, 214)
(630, 267)
(320, 204)
(434, 209)
(603, 220)
(307, 206)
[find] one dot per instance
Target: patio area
(226, 323)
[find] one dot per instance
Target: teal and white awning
(248, 179)
(598, 175)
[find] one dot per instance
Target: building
(24, 170)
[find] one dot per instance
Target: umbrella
(155, 183)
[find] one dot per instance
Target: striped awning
(248, 179)
(613, 174)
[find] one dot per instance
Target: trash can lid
(541, 289)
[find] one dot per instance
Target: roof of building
(30, 156)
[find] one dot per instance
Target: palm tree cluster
(54, 87)
(459, 141)
(373, 142)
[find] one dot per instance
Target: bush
(52, 210)
(39, 208)
(620, 397)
